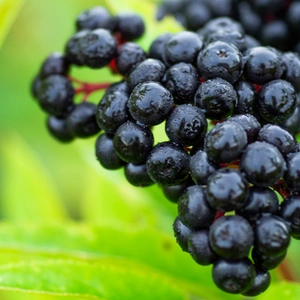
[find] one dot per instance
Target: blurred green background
(46, 185)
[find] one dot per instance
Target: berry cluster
(274, 23)
(230, 108)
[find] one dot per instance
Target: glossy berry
(194, 210)
(233, 276)
(262, 281)
(196, 15)
(120, 86)
(262, 164)
(276, 101)
(249, 123)
(129, 56)
(112, 111)
(225, 142)
(55, 95)
(97, 48)
(292, 124)
(200, 167)
(130, 26)
(292, 174)
(168, 164)
(284, 141)
(157, 47)
(263, 64)
(186, 125)
(217, 98)
(267, 262)
(106, 154)
(82, 120)
(181, 233)
(226, 190)
(271, 236)
(173, 192)
(136, 174)
(182, 47)
(292, 68)
(220, 59)
(290, 212)
(58, 128)
(133, 143)
(35, 86)
(72, 48)
(94, 18)
(259, 202)
(54, 64)
(148, 70)
(231, 237)
(150, 103)
(246, 95)
(199, 248)
(182, 81)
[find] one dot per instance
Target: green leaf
(107, 279)
(282, 290)
(9, 10)
(27, 191)
(90, 243)
(147, 9)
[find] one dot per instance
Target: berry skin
(231, 237)
(247, 96)
(219, 59)
(249, 123)
(262, 281)
(193, 208)
(276, 101)
(186, 125)
(148, 70)
(225, 142)
(271, 236)
(181, 233)
(262, 164)
(129, 55)
(290, 212)
(292, 68)
(97, 48)
(267, 262)
(72, 48)
(182, 81)
(136, 174)
(182, 47)
(226, 190)
(200, 167)
(233, 276)
(133, 142)
(292, 174)
(130, 26)
(196, 15)
(35, 86)
(58, 129)
(55, 95)
(260, 202)
(292, 124)
(198, 247)
(150, 103)
(94, 18)
(157, 47)
(81, 122)
(173, 192)
(217, 98)
(168, 164)
(120, 86)
(284, 141)
(54, 64)
(106, 154)
(263, 64)
(112, 111)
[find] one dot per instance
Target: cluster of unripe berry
(231, 113)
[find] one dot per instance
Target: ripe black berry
(157, 47)
(133, 142)
(181, 233)
(186, 125)
(58, 129)
(174, 192)
(193, 208)
(137, 175)
(292, 174)
(168, 164)
(54, 64)
(267, 262)
(292, 69)
(150, 103)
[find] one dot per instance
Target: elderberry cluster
(272, 22)
(230, 109)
